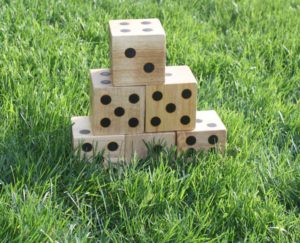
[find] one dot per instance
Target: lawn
(246, 57)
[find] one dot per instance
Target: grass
(245, 55)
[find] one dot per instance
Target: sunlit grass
(246, 56)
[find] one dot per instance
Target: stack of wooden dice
(140, 100)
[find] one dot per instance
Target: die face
(136, 144)
(88, 145)
(146, 69)
(210, 132)
(101, 78)
(138, 57)
(172, 106)
(179, 75)
(136, 27)
(115, 110)
(208, 121)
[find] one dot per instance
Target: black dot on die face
(125, 30)
(105, 99)
(145, 22)
(105, 73)
(149, 67)
(134, 98)
(186, 93)
(112, 146)
(157, 95)
(119, 111)
(133, 122)
(155, 121)
(185, 120)
(213, 139)
(191, 140)
(157, 148)
(191, 152)
(105, 81)
(147, 30)
(105, 122)
(87, 147)
(130, 52)
(170, 107)
(211, 124)
(84, 131)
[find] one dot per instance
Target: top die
(138, 52)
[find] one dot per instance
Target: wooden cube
(172, 105)
(138, 51)
(115, 110)
(88, 145)
(210, 132)
(137, 144)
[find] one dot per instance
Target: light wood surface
(148, 40)
(209, 126)
(179, 80)
(136, 144)
(119, 99)
(88, 145)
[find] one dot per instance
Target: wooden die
(115, 110)
(210, 132)
(138, 51)
(172, 105)
(88, 145)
